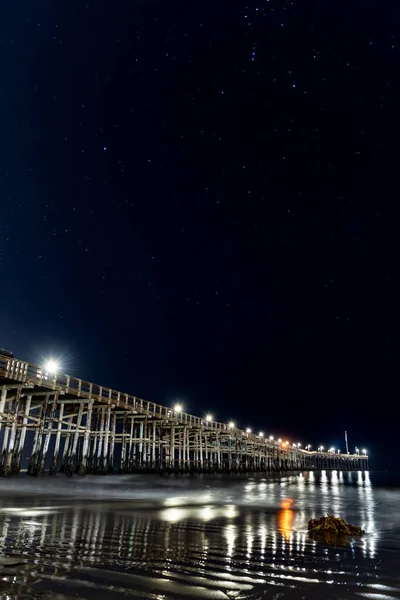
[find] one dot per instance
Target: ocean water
(211, 537)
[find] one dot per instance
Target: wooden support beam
(67, 441)
(33, 468)
(13, 435)
(131, 453)
(172, 449)
(86, 439)
(21, 442)
(112, 443)
(100, 439)
(53, 408)
(123, 463)
(106, 440)
(53, 468)
(73, 459)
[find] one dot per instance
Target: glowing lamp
(52, 366)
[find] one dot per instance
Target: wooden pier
(57, 423)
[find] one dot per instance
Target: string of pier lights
(333, 450)
(178, 408)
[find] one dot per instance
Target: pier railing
(30, 374)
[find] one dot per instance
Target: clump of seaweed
(333, 525)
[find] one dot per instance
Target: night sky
(199, 201)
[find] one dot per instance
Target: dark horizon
(200, 204)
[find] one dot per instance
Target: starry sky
(199, 201)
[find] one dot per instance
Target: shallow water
(159, 538)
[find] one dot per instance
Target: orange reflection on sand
(286, 517)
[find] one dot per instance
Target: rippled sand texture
(210, 537)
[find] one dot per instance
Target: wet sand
(206, 537)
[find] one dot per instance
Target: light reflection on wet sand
(208, 538)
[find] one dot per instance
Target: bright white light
(231, 425)
(209, 418)
(261, 434)
(299, 445)
(271, 437)
(52, 366)
(248, 430)
(178, 408)
(364, 451)
(279, 441)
